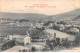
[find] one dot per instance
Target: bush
(8, 45)
(33, 49)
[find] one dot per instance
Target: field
(7, 30)
(58, 33)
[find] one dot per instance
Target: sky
(23, 6)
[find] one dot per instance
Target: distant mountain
(42, 17)
(67, 16)
(29, 16)
(77, 18)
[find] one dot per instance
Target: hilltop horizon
(32, 16)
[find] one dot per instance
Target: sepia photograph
(39, 25)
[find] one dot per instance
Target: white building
(21, 39)
(74, 30)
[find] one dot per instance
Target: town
(37, 36)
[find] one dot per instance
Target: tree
(33, 49)
(58, 41)
(77, 39)
(61, 22)
(65, 43)
(8, 44)
(36, 33)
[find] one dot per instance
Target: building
(21, 39)
(2, 20)
(74, 30)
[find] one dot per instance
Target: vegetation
(65, 27)
(37, 33)
(59, 44)
(33, 49)
(8, 45)
(48, 22)
(61, 22)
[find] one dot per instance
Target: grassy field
(58, 33)
(4, 30)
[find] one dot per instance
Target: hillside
(29, 16)
(77, 18)
(67, 16)
(42, 17)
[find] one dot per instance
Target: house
(68, 25)
(20, 39)
(74, 31)
(61, 27)
(2, 20)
